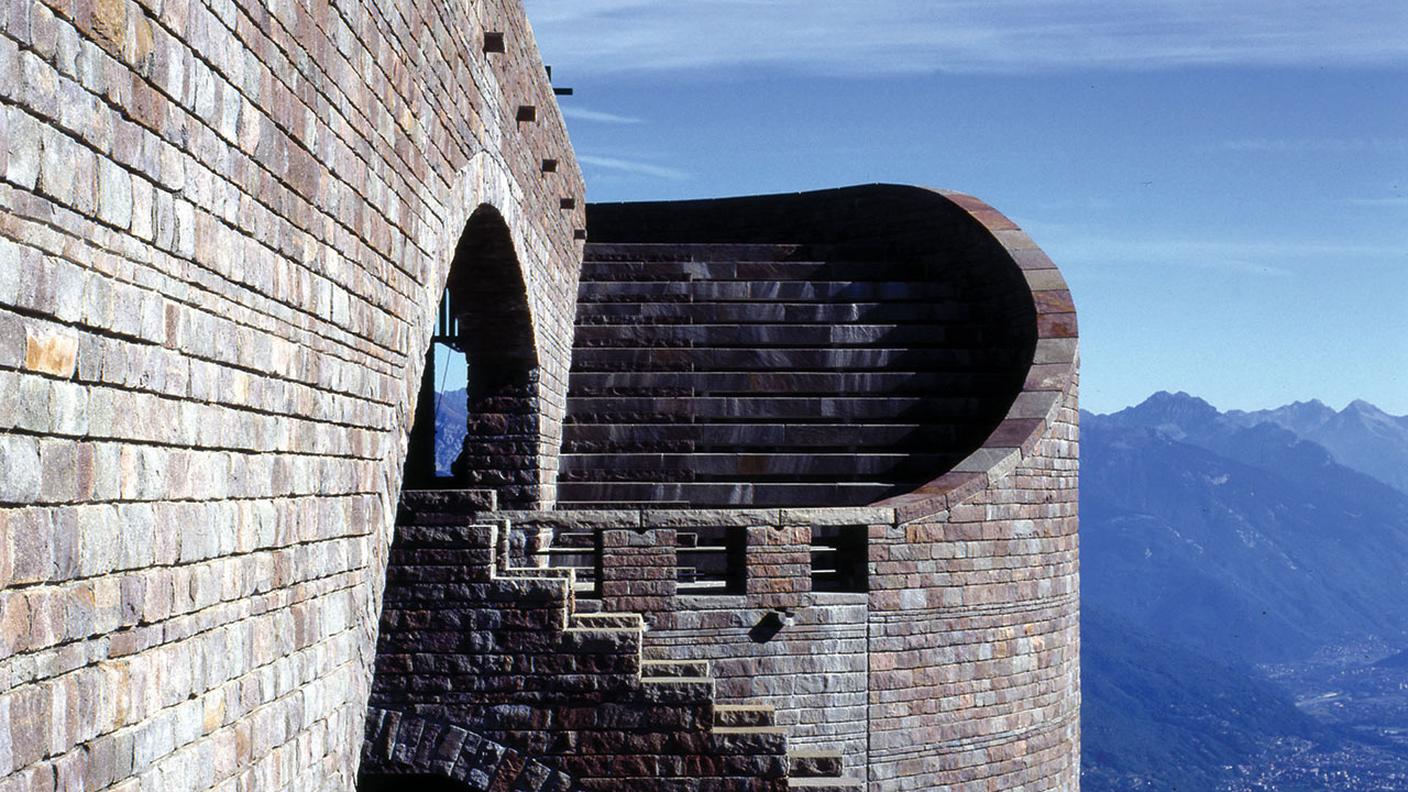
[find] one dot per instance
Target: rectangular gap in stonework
(712, 560)
(579, 550)
(840, 562)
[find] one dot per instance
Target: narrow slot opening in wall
(712, 560)
(578, 549)
(839, 558)
(439, 430)
(451, 371)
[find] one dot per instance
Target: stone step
(605, 619)
(767, 291)
(623, 642)
(689, 681)
(766, 730)
(845, 784)
(634, 313)
(729, 383)
(675, 690)
(748, 739)
(463, 501)
(585, 604)
(744, 715)
(660, 669)
(815, 764)
(705, 251)
(767, 408)
(722, 270)
(755, 465)
(591, 505)
(625, 469)
(776, 335)
(947, 360)
(573, 495)
(536, 573)
(739, 438)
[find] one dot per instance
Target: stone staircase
(772, 374)
(503, 653)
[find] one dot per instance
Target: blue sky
(1223, 182)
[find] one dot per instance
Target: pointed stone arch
(485, 313)
(487, 300)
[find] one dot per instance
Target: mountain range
(1243, 542)
(1216, 547)
(451, 417)
(1361, 436)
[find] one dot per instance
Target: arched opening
(483, 317)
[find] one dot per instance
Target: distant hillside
(1361, 436)
(1247, 543)
(450, 420)
(1211, 543)
(1399, 660)
(1157, 716)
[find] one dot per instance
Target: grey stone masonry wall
(502, 653)
(974, 632)
(775, 642)
(224, 230)
(956, 666)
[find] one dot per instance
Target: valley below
(1244, 598)
(1362, 703)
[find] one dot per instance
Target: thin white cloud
(1315, 145)
(1271, 257)
(1392, 202)
(996, 36)
(633, 167)
(575, 113)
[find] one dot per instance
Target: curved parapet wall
(955, 664)
(974, 631)
(828, 348)
(1046, 383)
(224, 232)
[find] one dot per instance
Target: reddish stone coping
(736, 517)
(1054, 365)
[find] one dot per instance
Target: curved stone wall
(829, 348)
(975, 591)
(224, 231)
(966, 673)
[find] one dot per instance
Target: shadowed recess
(829, 348)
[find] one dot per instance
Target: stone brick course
(223, 233)
(502, 653)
